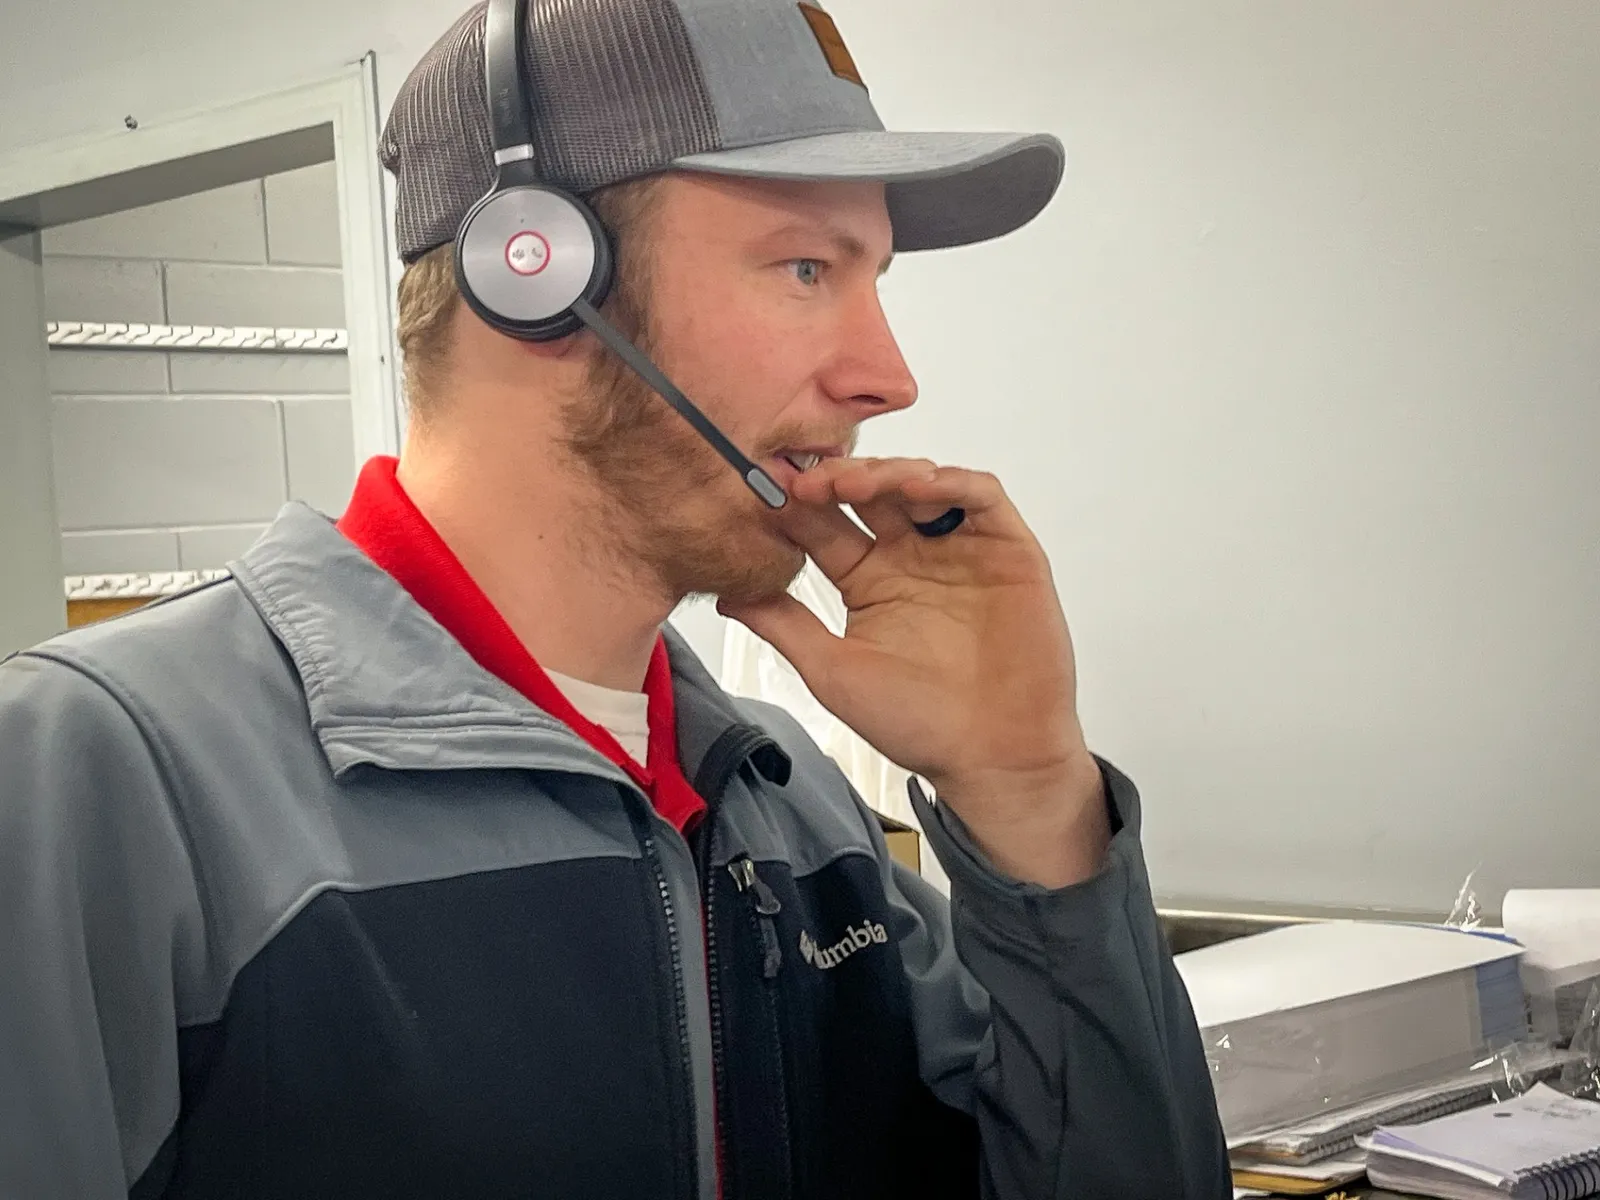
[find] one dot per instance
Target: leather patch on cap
(833, 47)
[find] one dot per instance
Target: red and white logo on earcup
(527, 253)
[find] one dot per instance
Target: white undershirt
(624, 715)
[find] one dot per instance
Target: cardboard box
(905, 843)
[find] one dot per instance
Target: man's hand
(956, 662)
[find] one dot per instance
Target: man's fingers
(989, 509)
(824, 531)
(889, 494)
(872, 487)
(858, 480)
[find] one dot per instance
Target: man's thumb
(794, 630)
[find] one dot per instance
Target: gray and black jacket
(297, 901)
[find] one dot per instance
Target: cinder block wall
(177, 460)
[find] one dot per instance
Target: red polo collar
(383, 521)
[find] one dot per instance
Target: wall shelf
(93, 598)
(116, 335)
(146, 585)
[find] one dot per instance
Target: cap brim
(944, 189)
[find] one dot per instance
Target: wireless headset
(535, 262)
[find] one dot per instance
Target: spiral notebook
(1540, 1146)
(1335, 1131)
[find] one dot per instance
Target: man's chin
(760, 579)
(750, 564)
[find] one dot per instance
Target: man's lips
(787, 465)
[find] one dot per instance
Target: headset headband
(509, 126)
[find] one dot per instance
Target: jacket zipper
(731, 748)
(728, 752)
(764, 906)
(707, 849)
(652, 853)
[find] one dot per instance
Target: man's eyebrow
(846, 244)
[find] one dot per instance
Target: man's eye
(807, 270)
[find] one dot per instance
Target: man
(414, 859)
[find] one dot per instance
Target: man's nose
(871, 372)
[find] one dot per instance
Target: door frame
(347, 103)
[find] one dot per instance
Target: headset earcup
(605, 258)
(526, 254)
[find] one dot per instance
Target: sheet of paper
(1343, 1166)
(1559, 926)
(1503, 1140)
(1300, 965)
(1367, 1115)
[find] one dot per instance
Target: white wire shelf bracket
(115, 335)
(144, 584)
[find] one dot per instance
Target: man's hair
(428, 300)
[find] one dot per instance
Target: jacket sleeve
(1057, 1019)
(97, 903)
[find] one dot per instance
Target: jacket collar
(386, 685)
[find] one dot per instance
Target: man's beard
(669, 503)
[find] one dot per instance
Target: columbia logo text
(854, 939)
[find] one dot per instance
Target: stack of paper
(1540, 1146)
(1317, 1179)
(1309, 1017)
(1560, 927)
(1335, 1130)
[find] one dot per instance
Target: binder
(1334, 1132)
(1542, 1145)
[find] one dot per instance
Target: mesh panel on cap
(617, 94)
(619, 89)
(436, 140)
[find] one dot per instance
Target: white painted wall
(176, 460)
(1300, 384)
(1297, 381)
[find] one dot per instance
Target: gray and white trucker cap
(763, 88)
